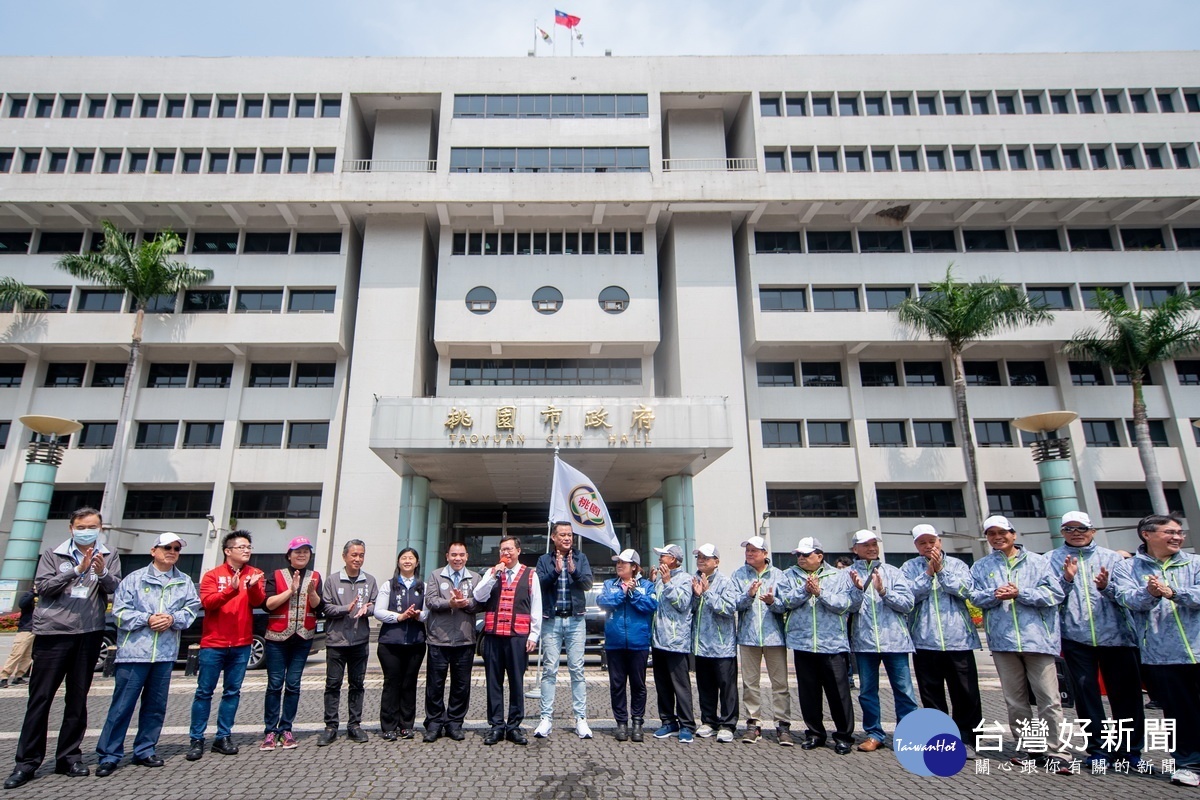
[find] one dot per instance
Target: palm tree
(1131, 341)
(959, 314)
(14, 294)
(146, 271)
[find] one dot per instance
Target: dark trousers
(716, 682)
(401, 665)
(337, 661)
(951, 672)
(828, 674)
(505, 657)
(1178, 689)
(673, 685)
(1119, 666)
(70, 658)
(285, 667)
(455, 662)
(133, 682)
(627, 667)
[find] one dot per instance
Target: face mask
(84, 538)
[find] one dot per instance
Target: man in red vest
(512, 601)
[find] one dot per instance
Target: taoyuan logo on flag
(585, 506)
(575, 498)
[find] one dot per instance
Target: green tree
(1131, 341)
(958, 314)
(14, 294)
(145, 271)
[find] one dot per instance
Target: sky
(650, 27)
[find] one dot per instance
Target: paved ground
(559, 767)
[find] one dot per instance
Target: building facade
(431, 274)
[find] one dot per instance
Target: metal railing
(710, 164)
(389, 165)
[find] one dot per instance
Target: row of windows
(547, 300)
(977, 103)
(195, 503)
(816, 502)
(551, 243)
(167, 161)
(885, 298)
(545, 372)
(204, 242)
(547, 106)
(972, 158)
(206, 435)
(549, 159)
(163, 375)
(154, 106)
(195, 301)
(976, 240)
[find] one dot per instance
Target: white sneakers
(725, 735)
(1185, 777)
(543, 729)
(705, 731)
(582, 729)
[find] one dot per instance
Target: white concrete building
(429, 273)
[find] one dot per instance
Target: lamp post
(33, 504)
(1053, 459)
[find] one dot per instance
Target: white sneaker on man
(543, 729)
(725, 735)
(582, 730)
(1185, 777)
(705, 731)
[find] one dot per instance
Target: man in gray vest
(449, 618)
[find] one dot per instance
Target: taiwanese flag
(561, 18)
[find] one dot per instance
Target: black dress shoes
(812, 743)
(18, 778)
(106, 768)
(455, 732)
(225, 746)
(74, 770)
(148, 761)
(517, 736)
(195, 750)
(432, 734)
(842, 748)
(493, 736)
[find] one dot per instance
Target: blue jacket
(673, 618)
(144, 592)
(940, 619)
(882, 624)
(578, 582)
(714, 619)
(627, 626)
(1028, 624)
(1168, 631)
(818, 624)
(759, 624)
(1089, 616)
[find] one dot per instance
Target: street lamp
(33, 504)
(1053, 459)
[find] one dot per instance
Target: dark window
(909, 161)
(1133, 503)
(331, 107)
(773, 161)
(1016, 159)
(206, 301)
(822, 106)
(201, 107)
(139, 161)
(1044, 157)
(314, 376)
(979, 104)
(191, 163)
(1112, 103)
(270, 375)
(1089, 239)
(1033, 103)
(202, 435)
(801, 160)
(17, 106)
(887, 433)
(829, 242)
(213, 376)
(311, 301)
(856, 161)
(276, 504)
(323, 162)
(920, 503)
(1192, 100)
(1151, 296)
(1099, 157)
(1126, 158)
(821, 373)
(1071, 158)
(781, 434)
(1054, 297)
(776, 373)
(927, 105)
(243, 163)
(156, 435)
(58, 162)
(1142, 238)
(267, 242)
(924, 373)
(1100, 433)
(1138, 101)
(990, 159)
(64, 501)
(1154, 158)
(1016, 503)
(111, 164)
(982, 373)
(953, 105)
(218, 162)
(279, 107)
(827, 160)
(992, 433)
(1188, 372)
(319, 242)
(1185, 239)
(5, 430)
(297, 161)
(847, 106)
(168, 504)
(166, 376)
(96, 436)
(1181, 157)
(881, 241)
(1086, 373)
(1027, 373)
(1121, 378)
(108, 376)
(31, 160)
(11, 374)
(215, 243)
(272, 163)
(101, 300)
(834, 299)
(796, 106)
(769, 106)
(175, 107)
(884, 298)
(226, 108)
(935, 160)
(933, 433)
(261, 435)
(963, 161)
(881, 160)
(828, 434)
(1085, 103)
(785, 242)
(1037, 239)
(1158, 432)
(306, 107)
(259, 300)
(64, 375)
(1059, 104)
(6, 160)
(60, 242)
(480, 300)
(308, 435)
(985, 241)
(782, 300)
(933, 241)
(96, 107)
(901, 107)
(875, 106)
(1088, 294)
(57, 301)
(812, 503)
(878, 373)
(546, 372)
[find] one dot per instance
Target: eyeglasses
(174, 548)
(86, 528)
(1168, 532)
(1074, 529)
(239, 547)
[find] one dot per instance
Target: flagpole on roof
(535, 37)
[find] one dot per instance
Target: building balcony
(389, 165)
(710, 165)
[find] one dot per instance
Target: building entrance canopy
(500, 449)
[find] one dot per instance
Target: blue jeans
(557, 633)
(899, 676)
(213, 661)
(285, 666)
(133, 680)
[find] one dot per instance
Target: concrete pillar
(654, 526)
(679, 514)
(414, 514)
(435, 548)
(1058, 494)
(33, 505)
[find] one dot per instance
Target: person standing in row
(152, 606)
(671, 642)
(761, 638)
(348, 597)
(401, 607)
(714, 644)
(629, 602)
(565, 575)
(293, 597)
(20, 655)
(228, 593)
(449, 616)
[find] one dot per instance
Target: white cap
(998, 521)
(862, 537)
(673, 550)
(629, 556)
(757, 542)
(1077, 517)
(707, 550)
(807, 546)
(923, 529)
(165, 539)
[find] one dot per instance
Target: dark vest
(410, 631)
(507, 609)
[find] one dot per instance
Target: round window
(614, 299)
(547, 300)
(481, 300)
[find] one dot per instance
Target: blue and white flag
(574, 498)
